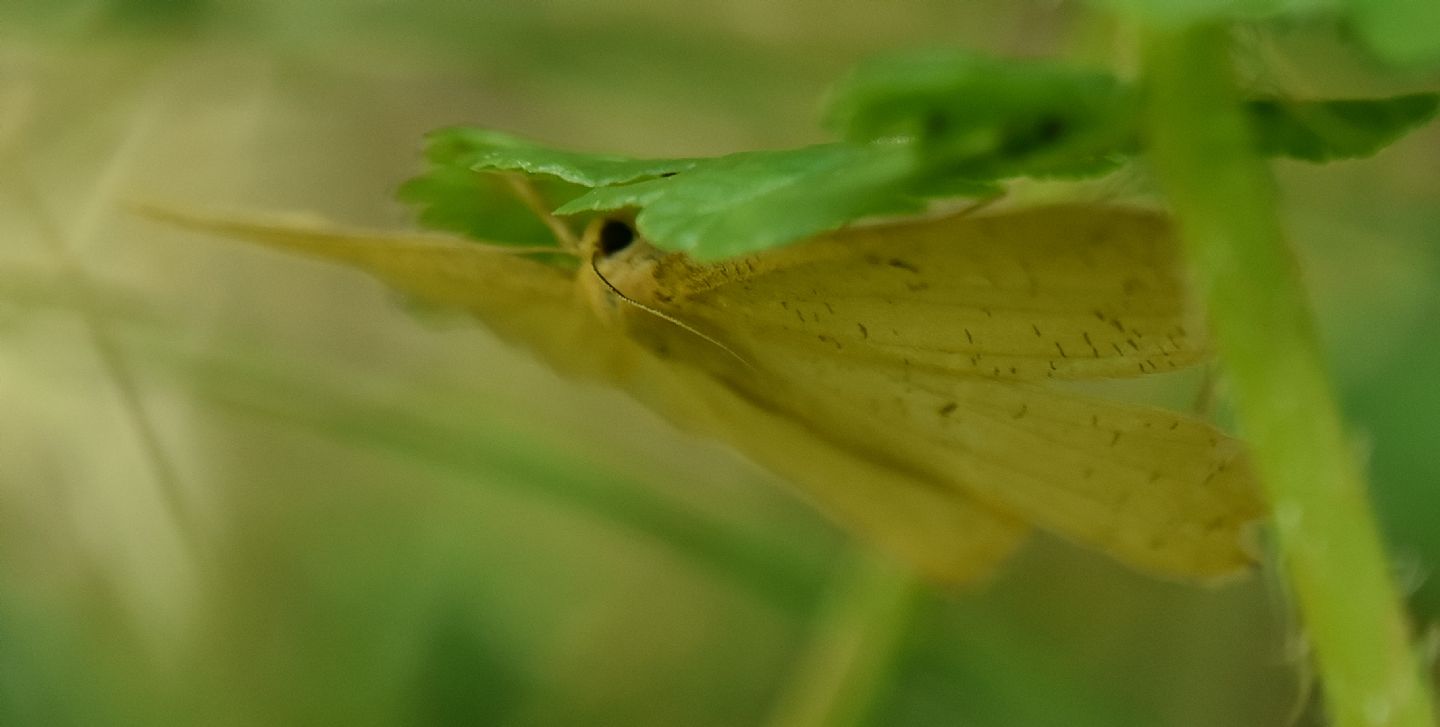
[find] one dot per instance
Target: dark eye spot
(615, 236)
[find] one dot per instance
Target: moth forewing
(522, 300)
(945, 535)
(882, 370)
(908, 346)
(1058, 292)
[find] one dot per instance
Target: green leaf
(1319, 131)
(480, 206)
(918, 126)
(486, 150)
(751, 201)
(463, 190)
(988, 118)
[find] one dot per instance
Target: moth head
(620, 263)
(631, 283)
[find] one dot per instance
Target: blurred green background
(238, 488)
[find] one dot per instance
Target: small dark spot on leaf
(863, 333)
(948, 409)
(1050, 128)
(896, 262)
(935, 124)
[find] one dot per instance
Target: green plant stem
(1225, 202)
(852, 654)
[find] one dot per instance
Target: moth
(900, 375)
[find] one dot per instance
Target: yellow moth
(897, 374)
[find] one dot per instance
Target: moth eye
(615, 236)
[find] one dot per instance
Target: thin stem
(530, 196)
(853, 650)
(1225, 202)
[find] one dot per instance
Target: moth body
(897, 375)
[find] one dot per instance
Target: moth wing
(1162, 492)
(941, 532)
(524, 301)
(1063, 292)
(936, 531)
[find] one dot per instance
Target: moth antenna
(532, 199)
(662, 315)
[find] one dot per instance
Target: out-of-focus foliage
(1399, 31)
(987, 119)
(918, 126)
(1321, 131)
